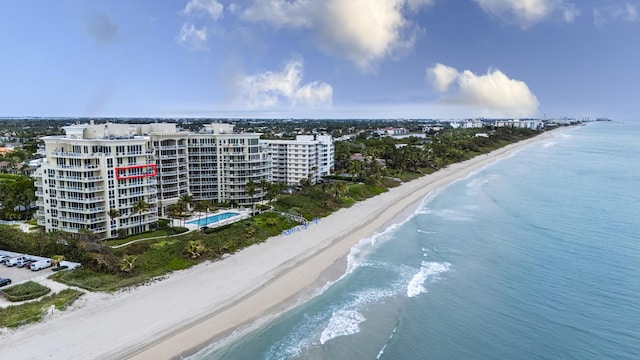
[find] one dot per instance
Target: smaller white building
(522, 124)
(308, 157)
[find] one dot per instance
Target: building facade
(222, 162)
(117, 179)
(308, 157)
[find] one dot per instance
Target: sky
(320, 58)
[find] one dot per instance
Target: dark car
(4, 282)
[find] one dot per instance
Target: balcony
(80, 178)
(77, 167)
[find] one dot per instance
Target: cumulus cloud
(528, 12)
(211, 7)
(193, 37)
(363, 31)
(273, 89)
(442, 76)
(493, 91)
(625, 12)
(102, 29)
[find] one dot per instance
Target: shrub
(25, 291)
(16, 315)
(163, 223)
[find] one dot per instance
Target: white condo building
(95, 177)
(306, 157)
(221, 163)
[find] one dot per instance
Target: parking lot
(18, 275)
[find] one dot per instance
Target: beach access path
(186, 310)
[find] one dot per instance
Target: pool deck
(242, 214)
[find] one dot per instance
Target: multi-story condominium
(222, 162)
(523, 124)
(95, 178)
(112, 179)
(308, 157)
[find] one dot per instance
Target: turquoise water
(535, 257)
(213, 219)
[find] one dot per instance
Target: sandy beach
(189, 309)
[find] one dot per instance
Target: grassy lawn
(158, 257)
(150, 234)
(17, 315)
(25, 291)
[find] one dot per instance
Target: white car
(41, 264)
(15, 260)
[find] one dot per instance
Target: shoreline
(190, 309)
(330, 273)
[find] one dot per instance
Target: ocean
(536, 256)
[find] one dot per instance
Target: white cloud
(211, 7)
(528, 12)
(274, 89)
(193, 37)
(442, 76)
(363, 31)
(494, 91)
(626, 12)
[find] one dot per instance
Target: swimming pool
(213, 219)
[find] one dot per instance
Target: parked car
(4, 258)
(4, 282)
(41, 264)
(14, 260)
(60, 267)
(24, 262)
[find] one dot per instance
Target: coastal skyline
(320, 59)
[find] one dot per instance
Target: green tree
(250, 188)
(140, 206)
(114, 213)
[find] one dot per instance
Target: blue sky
(320, 58)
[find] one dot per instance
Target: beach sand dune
(178, 315)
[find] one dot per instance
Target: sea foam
(343, 322)
(427, 270)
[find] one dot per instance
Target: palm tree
(340, 189)
(114, 213)
(250, 188)
(251, 230)
(127, 263)
(186, 200)
(174, 211)
(200, 206)
(140, 206)
(273, 222)
(196, 248)
(264, 186)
